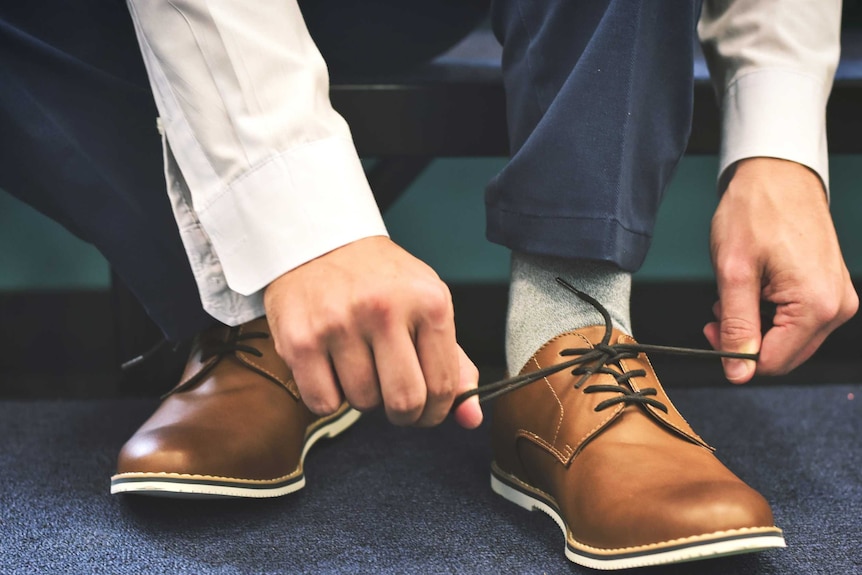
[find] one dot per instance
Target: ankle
(539, 309)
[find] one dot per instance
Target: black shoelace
(235, 342)
(603, 358)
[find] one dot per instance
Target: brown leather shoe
(235, 425)
(601, 449)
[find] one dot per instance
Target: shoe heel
(508, 490)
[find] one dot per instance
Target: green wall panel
(441, 220)
(38, 254)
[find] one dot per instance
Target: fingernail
(736, 369)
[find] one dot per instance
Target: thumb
(468, 414)
(739, 325)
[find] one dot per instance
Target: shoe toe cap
(165, 451)
(676, 511)
(722, 506)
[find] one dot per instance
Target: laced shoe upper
(235, 413)
(587, 428)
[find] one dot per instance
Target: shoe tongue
(596, 333)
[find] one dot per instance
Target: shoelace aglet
(138, 360)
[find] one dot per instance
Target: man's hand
(370, 323)
(772, 238)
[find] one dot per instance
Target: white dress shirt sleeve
(261, 170)
(773, 63)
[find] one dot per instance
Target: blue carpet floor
(388, 500)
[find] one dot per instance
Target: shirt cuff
(776, 113)
(295, 207)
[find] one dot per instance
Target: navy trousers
(599, 105)
(599, 99)
(78, 141)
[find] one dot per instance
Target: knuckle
(848, 304)
(322, 405)
(851, 305)
(736, 273)
(312, 338)
(438, 302)
(734, 329)
(405, 408)
(825, 311)
(829, 307)
(378, 307)
(333, 323)
(301, 344)
(442, 393)
(364, 399)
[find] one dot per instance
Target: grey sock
(540, 309)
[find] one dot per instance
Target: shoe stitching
(564, 457)
(249, 361)
(559, 403)
(543, 443)
(548, 343)
(298, 471)
(167, 474)
(524, 484)
(244, 357)
(246, 360)
(550, 499)
(594, 431)
(691, 434)
(705, 537)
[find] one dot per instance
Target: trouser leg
(78, 142)
(599, 98)
(77, 126)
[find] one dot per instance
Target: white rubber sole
(679, 551)
(211, 487)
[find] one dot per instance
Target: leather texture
(238, 416)
(623, 477)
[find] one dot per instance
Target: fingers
(438, 358)
(354, 366)
(772, 237)
(787, 346)
(468, 414)
(799, 328)
(372, 324)
(738, 327)
(316, 381)
(416, 389)
(419, 379)
(402, 384)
